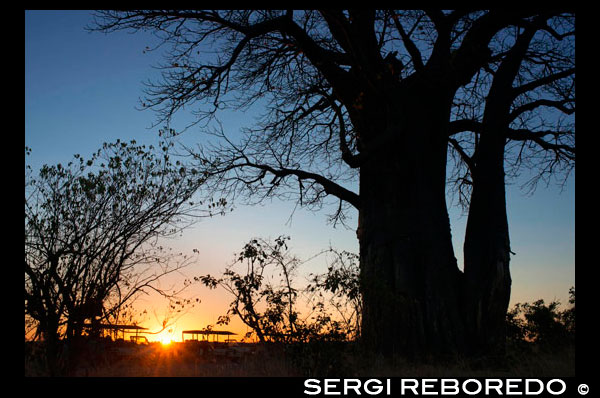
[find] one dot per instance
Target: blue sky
(82, 89)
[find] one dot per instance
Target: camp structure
(205, 335)
(119, 331)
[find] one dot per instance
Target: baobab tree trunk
(487, 248)
(410, 279)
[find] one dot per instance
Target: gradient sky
(82, 89)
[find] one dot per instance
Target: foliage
(268, 305)
(251, 289)
(543, 324)
(92, 231)
(342, 283)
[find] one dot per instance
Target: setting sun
(310, 194)
(166, 340)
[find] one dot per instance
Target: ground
(118, 359)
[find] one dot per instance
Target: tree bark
(487, 248)
(410, 279)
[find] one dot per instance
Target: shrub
(541, 323)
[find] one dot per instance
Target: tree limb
(329, 186)
(516, 91)
(410, 46)
(560, 105)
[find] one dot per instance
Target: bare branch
(557, 104)
(464, 156)
(409, 44)
(516, 91)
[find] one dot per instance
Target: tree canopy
(92, 234)
(316, 70)
(365, 109)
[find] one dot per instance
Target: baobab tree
(528, 103)
(374, 99)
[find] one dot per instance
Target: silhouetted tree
(341, 283)
(265, 298)
(543, 324)
(568, 315)
(267, 307)
(91, 235)
(377, 97)
(528, 102)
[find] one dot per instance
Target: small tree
(92, 233)
(568, 315)
(267, 308)
(341, 283)
(268, 305)
(541, 323)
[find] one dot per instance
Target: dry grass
(557, 364)
(170, 363)
(176, 361)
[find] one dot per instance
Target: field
(124, 359)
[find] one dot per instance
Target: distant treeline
(546, 325)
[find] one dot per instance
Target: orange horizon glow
(163, 325)
(174, 333)
(166, 340)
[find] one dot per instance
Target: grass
(324, 360)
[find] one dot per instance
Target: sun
(166, 340)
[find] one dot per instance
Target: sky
(83, 89)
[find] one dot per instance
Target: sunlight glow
(166, 340)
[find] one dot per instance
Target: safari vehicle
(207, 342)
(139, 339)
